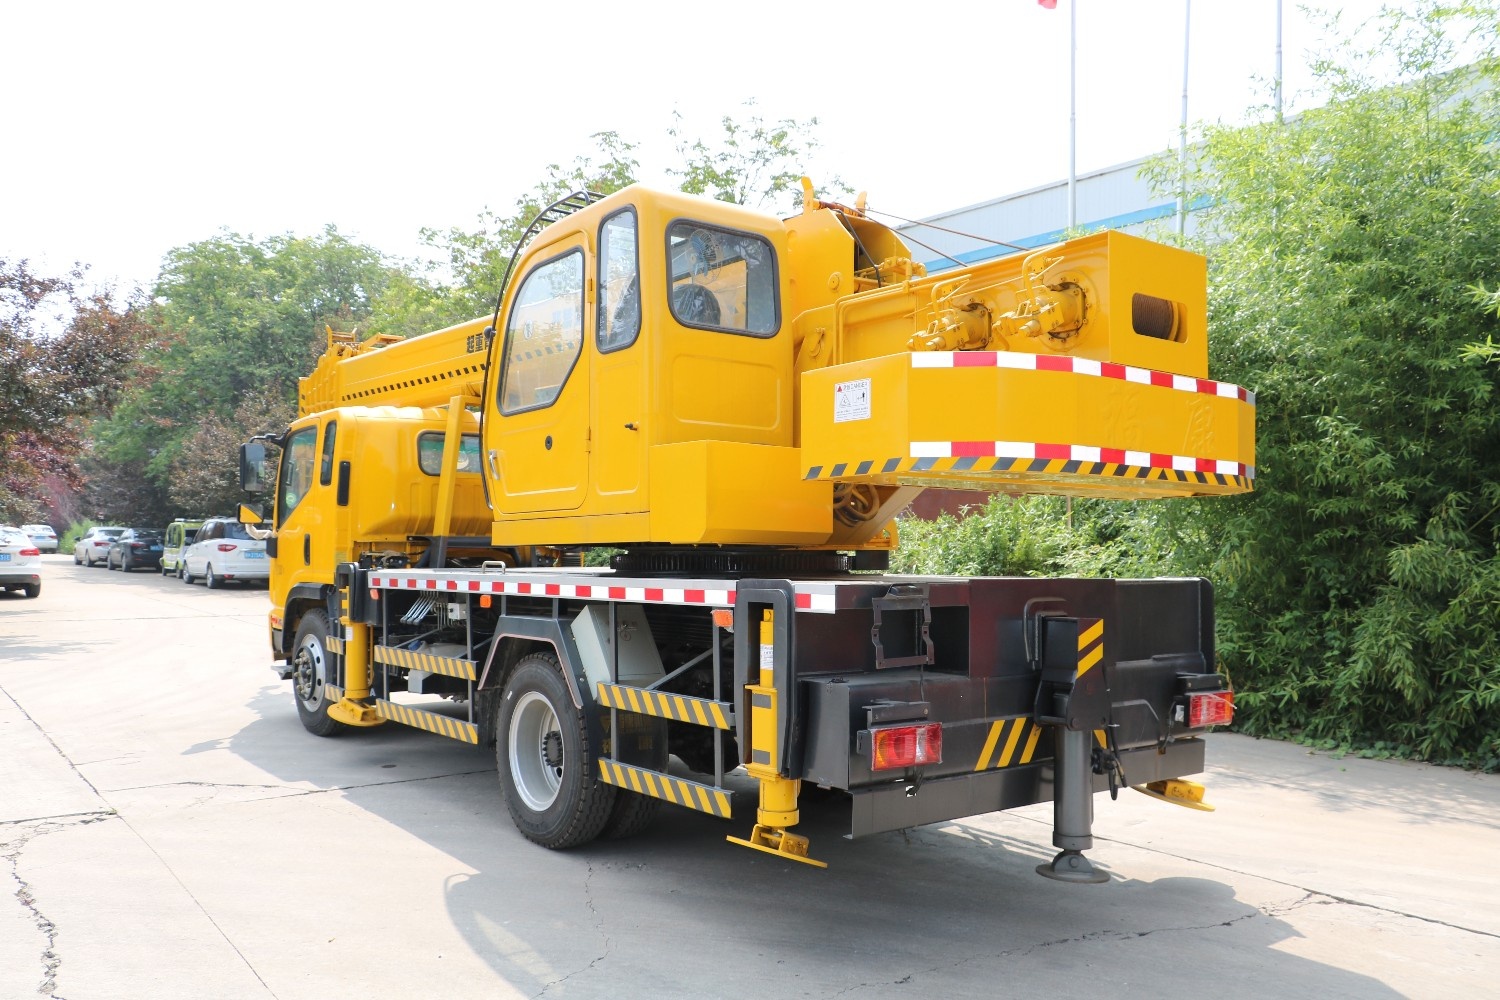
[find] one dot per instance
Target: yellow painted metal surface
(724, 377)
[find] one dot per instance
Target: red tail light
(1211, 708)
(227, 546)
(906, 746)
(101, 543)
(31, 552)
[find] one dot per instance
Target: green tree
(51, 383)
(201, 480)
(752, 162)
(1360, 585)
(246, 320)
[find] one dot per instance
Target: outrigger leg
(778, 795)
(1073, 809)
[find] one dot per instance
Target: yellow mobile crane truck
(739, 406)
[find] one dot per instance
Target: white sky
(134, 128)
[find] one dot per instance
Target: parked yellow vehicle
(739, 405)
(176, 537)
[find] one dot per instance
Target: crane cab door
(537, 440)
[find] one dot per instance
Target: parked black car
(136, 548)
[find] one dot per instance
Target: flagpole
(1073, 115)
(1187, 35)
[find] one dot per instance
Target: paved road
(167, 829)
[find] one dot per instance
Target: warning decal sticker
(851, 401)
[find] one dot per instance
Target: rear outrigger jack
(1073, 809)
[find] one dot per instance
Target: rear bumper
(899, 805)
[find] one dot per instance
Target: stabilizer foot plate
(1071, 866)
(1188, 794)
(352, 713)
(780, 843)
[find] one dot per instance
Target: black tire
(183, 573)
(311, 670)
(209, 580)
(125, 566)
(546, 766)
(32, 589)
(76, 561)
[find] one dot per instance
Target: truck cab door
(536, 440)
(301, 513)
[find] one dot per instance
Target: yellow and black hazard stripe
(1010, 742)
(1029, 466)
(334, 644)
(677, 707)
(693, 795)
(449, 666)
(1090, 644)
(456, 729)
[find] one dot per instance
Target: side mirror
(255, 475)
(251, 513)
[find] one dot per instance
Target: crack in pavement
(598, 921)
(11, 850)
(1271, 911)
(288, 791)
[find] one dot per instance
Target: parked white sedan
(43, 535)
(20, 562)
(93, 548)
(222, 551)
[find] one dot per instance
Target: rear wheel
(211, 581)
(33, 589)
(183, 574)
(544, 759)
(125, 565)
(311, 671)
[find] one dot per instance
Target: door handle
(494, 472)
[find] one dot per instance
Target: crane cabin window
(720, 279)
(543, 334)
(619, 282)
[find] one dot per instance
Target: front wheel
(543, 756)
(311, 672)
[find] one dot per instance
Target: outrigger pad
(1072, 866)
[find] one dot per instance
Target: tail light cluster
(227, 546)
(31, 552)
(896, 747)
(1210, 708)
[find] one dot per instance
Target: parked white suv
(222, 551)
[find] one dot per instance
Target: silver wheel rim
(308, 673)
(536, 759)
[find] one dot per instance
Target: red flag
(1049, 4)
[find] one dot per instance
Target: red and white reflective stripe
(1077, 453)
(809, 597)
(1078, 366)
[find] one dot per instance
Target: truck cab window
(330, 435)
(720, 279)
(430, 453)
(543, 334)
(619, 282)
(296, 471)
